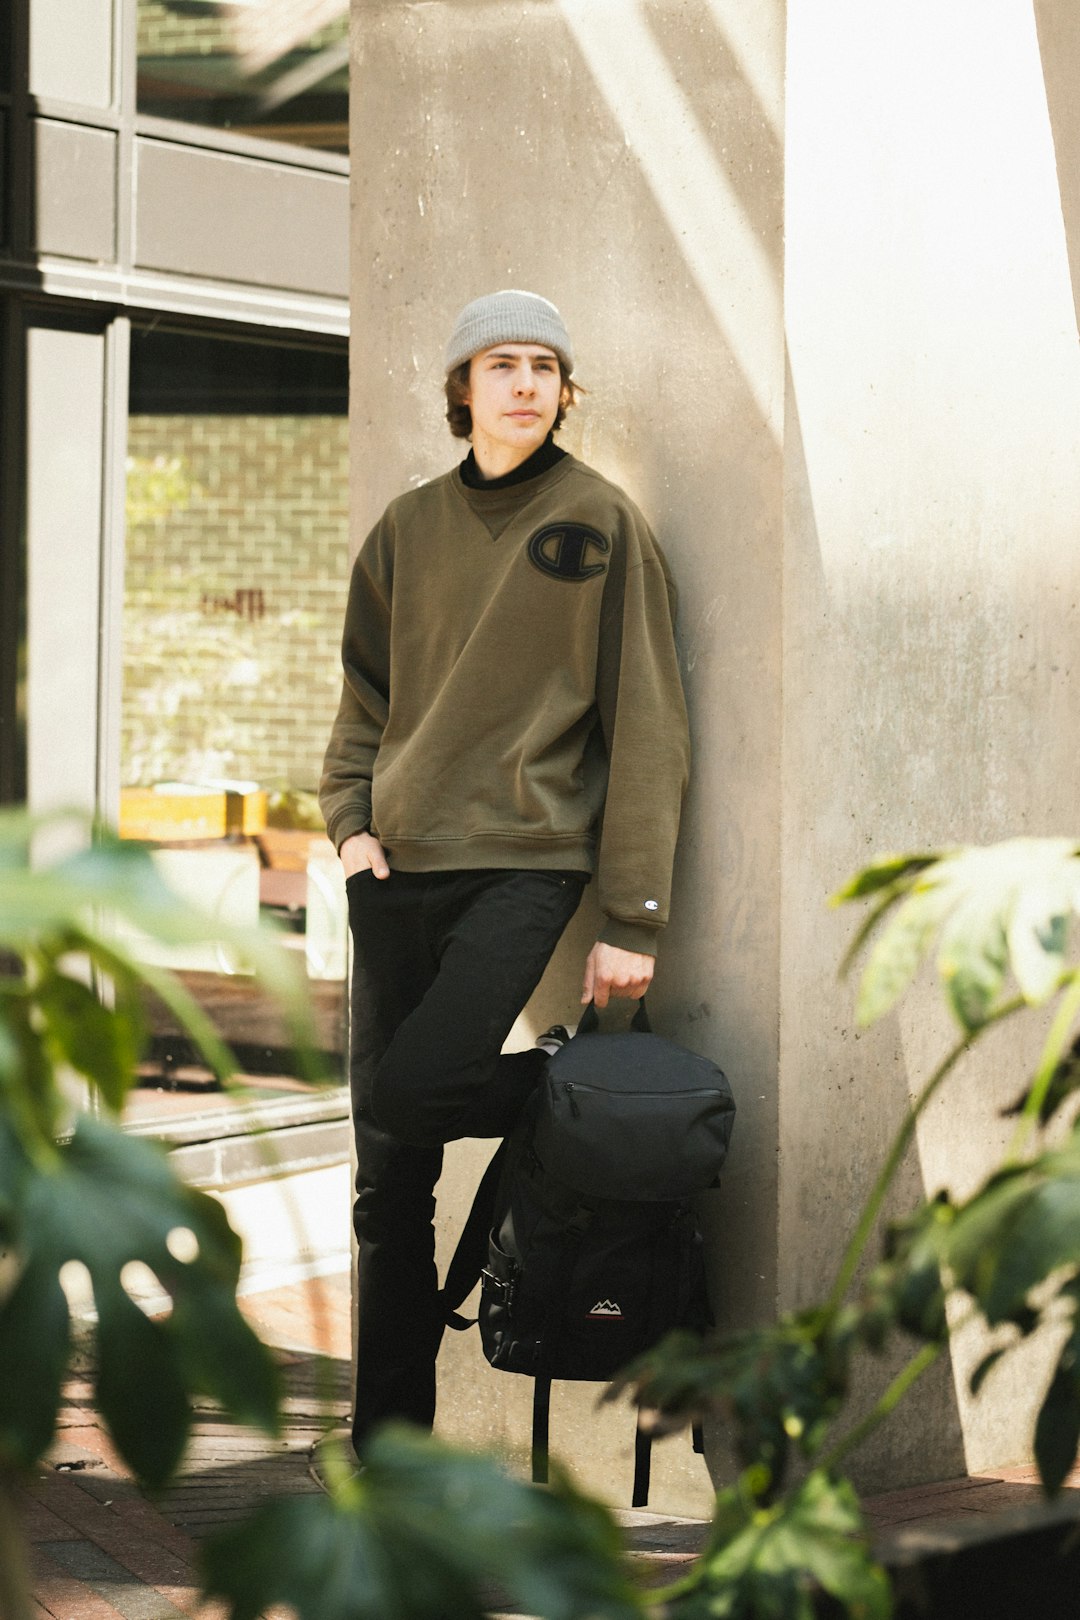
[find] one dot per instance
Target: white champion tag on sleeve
(652, 905)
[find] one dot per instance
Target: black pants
(443, 964)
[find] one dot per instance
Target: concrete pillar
(859, 453)
(931, 573)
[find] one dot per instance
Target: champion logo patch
(608, 1309)
(563, 550)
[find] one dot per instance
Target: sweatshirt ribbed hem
(504, 851)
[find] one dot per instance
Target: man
(511, 720)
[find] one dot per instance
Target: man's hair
(459, 415)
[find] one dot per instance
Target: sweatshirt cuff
(628, 936)
(349, 826)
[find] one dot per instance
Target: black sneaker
(317, 1464)
(553, 1039)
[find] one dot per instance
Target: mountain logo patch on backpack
(561, 550)
(606, 1308)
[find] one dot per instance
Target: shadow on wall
(845, 1090)
(698, 104)
(704, 190)
(1058, 25)
(687, 100)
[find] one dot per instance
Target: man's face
(514, 391)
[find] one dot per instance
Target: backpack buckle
(504, 1290)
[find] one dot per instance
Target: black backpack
(582, 1233)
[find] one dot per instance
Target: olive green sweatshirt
(511, 693)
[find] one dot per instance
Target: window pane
(264, 67)
(235, 586)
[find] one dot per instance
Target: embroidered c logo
(560, 549)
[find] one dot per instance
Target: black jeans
(443, 964)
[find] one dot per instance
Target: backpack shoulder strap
(642, 1464)
(470, 1256)
(541, 1420)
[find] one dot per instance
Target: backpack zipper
(570, 1086)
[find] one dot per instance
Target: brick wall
(164, 31)
(237, 575)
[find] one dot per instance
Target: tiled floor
(101, 1551)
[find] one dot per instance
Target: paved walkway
(102, 1552)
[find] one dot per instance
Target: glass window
(236, 576)
(263, 67)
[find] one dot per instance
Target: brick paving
(100, 1550)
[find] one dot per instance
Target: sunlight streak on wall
(754, 33)
(728, 263)
(928, 301)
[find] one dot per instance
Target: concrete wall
(931, 570)
(871, 529)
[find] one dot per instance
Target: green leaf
(867, 927)
(773, 1387)
(906, 1288)
(1038, 934)
(557, 1552)
(246, 1382)
(1057, 1429)
(972, 957)
(678, 1381)
(422, 1535)
(113, 1199)
(985, 1368)
(113, 960)
(900, 951)
(570, 1562)
(97, 1041)
(982, 1229)
(16, 826)
(33, 1354)
(1016, 1232)
(1029, 886)
(28, 1089)
(63, 906)
(920, 1302)
(140, 1391)
(886, 872)
(999, 906)
(1042, 1235)
(771, 1564)
(120, 876)
(1064, 1083)
(310, 1554)
(14, 1170)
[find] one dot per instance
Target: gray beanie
(510, 316)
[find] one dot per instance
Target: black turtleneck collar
(539, 462)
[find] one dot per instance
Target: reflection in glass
(235, 582)
(272, 68)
